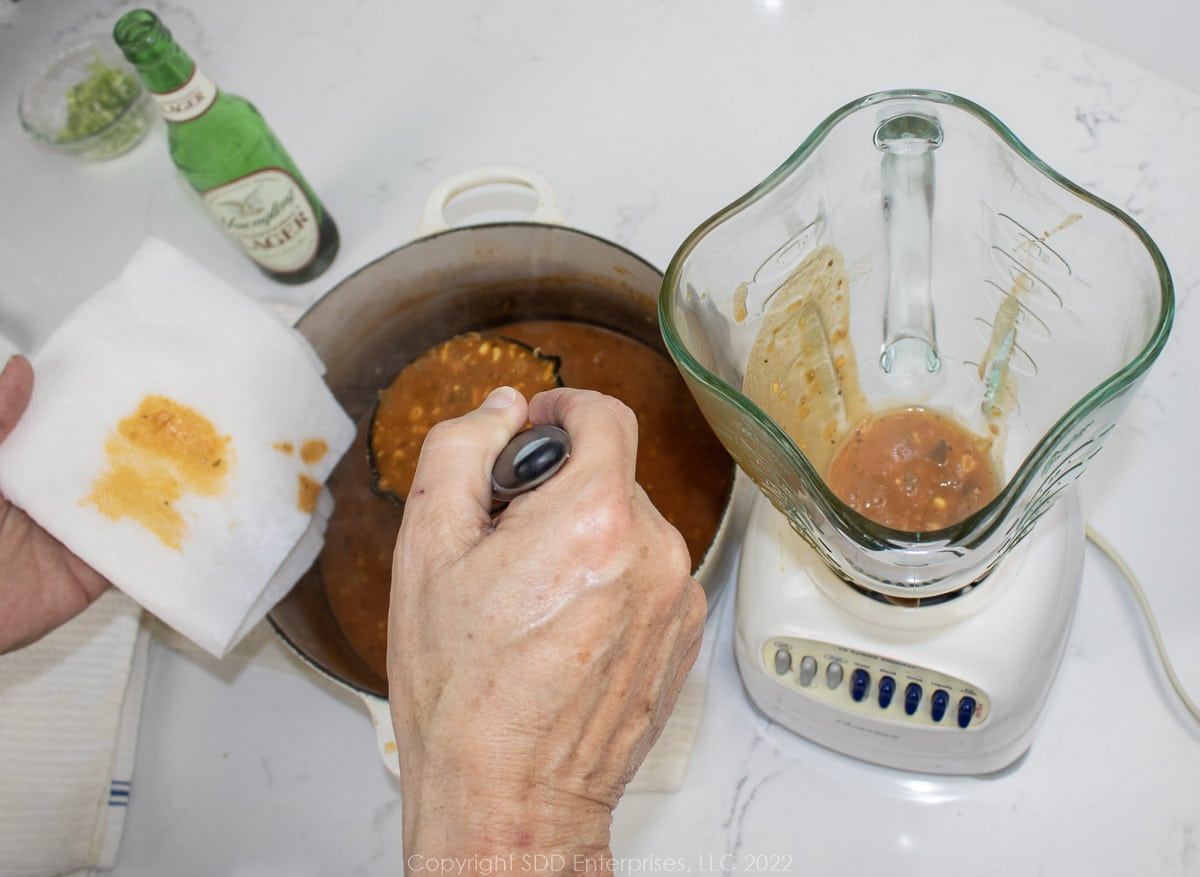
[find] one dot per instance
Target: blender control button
(808, 669)
(887, 690)
(783, 661)
(833, 675)
(860, 682)
(912, 698)
(966, 711)
(938, 704)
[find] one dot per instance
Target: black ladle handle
(530, 457)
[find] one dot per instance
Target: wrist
(485, 827)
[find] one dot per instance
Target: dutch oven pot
(449, 281)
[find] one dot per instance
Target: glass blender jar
(913, 254)
(978, 282)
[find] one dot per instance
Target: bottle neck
(148, 45)
(180, 89)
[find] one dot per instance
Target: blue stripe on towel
(118, 793)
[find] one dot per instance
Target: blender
(912, 256)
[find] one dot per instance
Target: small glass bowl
(44, 109)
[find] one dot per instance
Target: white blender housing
(956, 687)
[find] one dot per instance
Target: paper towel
(176, 440)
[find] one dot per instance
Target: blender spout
(908, 142)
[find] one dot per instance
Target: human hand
(42, 584)
(533, 659)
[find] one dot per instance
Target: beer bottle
(224, 149)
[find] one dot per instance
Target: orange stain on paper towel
(311, 452)
(306, 499)
(158, 454)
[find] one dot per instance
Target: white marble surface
(1158, 34)
(648, 116)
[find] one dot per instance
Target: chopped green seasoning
(96, 101)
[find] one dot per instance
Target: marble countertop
(648, 117)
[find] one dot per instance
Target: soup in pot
(684, 470)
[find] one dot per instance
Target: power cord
(1135, 586)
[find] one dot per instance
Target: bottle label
(190, 101)
(267, 213)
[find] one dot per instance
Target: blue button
(859, 683)
(938, 704)
(912, 698)
(887, 689)
(966, 711)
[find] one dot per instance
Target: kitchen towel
(177, 440)
(70, 705)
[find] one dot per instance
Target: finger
(603, 430)
(453, 475)
(16, 386)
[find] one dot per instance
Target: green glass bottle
(225, 150)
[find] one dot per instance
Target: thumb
(16, 386)
(452, 482)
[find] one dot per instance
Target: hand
(533, 659)
(42, 584)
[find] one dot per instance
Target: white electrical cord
(1135, 586)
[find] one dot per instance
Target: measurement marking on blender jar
(877, 686)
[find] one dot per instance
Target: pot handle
(433, 215)
(385, 737)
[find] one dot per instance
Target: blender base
(949, 688)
